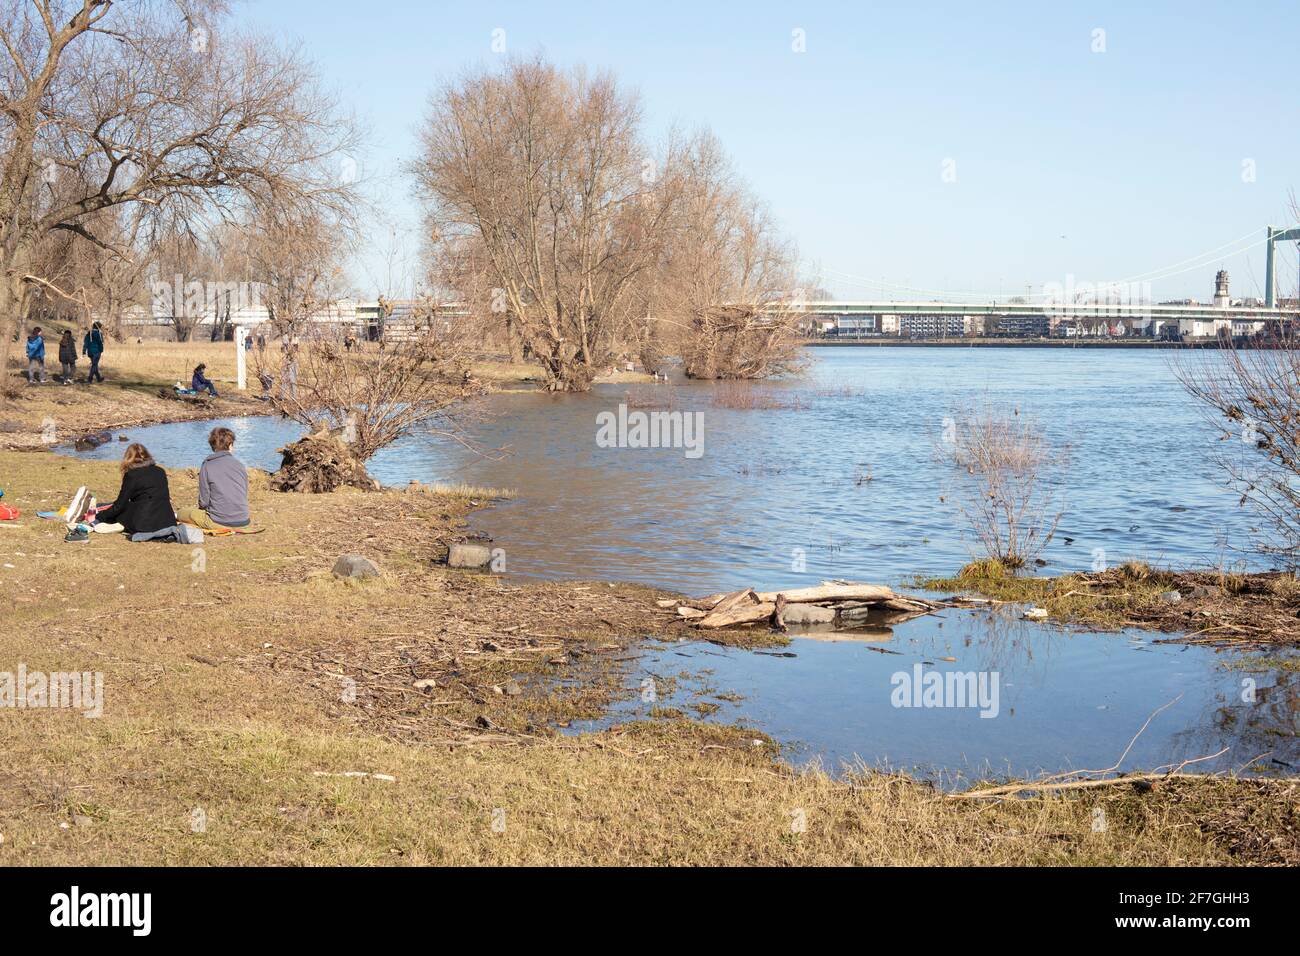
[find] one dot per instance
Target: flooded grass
(753, 396)
(1209, 606)
(465, 490)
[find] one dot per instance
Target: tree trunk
(11, 303)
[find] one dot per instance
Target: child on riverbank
(35, 357)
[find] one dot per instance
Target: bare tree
(1007, 480)
(184, 263)
(111, 280)
(730, 281)
(164, 106)
(297, 261)
(541, 180)
(357, 402)
(1250, 395)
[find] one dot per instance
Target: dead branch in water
(1087, 779)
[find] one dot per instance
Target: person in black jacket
(144, 503)
(68, 356)
(201, 383)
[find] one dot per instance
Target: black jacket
(144, 503)
(67, 351)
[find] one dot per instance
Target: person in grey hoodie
(223, 488)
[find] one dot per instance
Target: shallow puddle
(1055, 699)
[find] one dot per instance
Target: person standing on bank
(68, 356)
(35, 357)
(93, 347)
(223, 487)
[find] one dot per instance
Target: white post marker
(241, 359)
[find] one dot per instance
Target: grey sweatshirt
(223, 489)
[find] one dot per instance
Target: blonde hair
(221, 439)
(137, 456)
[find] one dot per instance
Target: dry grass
(462, 489)
(650, 795)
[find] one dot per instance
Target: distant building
(931, 326)
(1221, 299)
(856, 326)
(1022, 326)
(1203, 328)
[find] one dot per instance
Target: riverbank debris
(320, 463)
(841, 603)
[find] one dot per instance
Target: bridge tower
(1270, 281)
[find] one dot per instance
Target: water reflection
(1068, 700)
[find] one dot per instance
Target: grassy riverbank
(135, 372)
(246, 689)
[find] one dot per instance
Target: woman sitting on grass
(201, 383)
(223, 487)
(144, 504)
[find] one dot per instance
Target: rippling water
(775, 485)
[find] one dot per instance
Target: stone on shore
(355, 566)
(469, 554)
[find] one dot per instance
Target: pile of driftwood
(318, 464)
(850, 603)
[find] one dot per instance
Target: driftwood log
(320, 463)
(747, 606)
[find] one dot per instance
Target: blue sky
(962, 148)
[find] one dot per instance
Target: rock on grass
(355, 566)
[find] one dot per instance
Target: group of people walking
(92, 347)
(143, 505)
